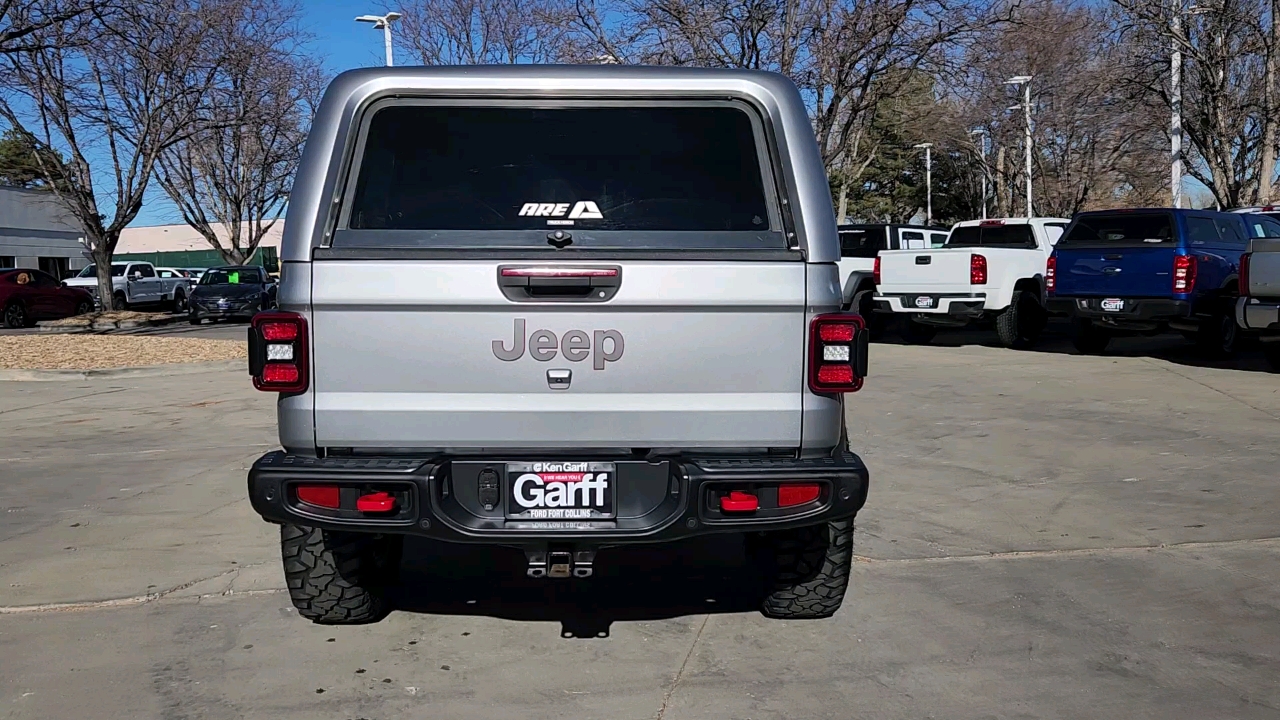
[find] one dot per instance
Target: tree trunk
(1267, 155)
(841, 218)
(1002, 197)
(102, 263)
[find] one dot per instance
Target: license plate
(1113, 305)
(560, 490)
(924, 302)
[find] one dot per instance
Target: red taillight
(875, 271)
(977, 270)
(1243, 284)
(837, 332)
(790, 494)
(279, 331)
(278, 352)
(1051, 274)
(1184, 273)
(325, 496)
(837, 353)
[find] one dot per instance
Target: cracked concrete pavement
(1047, 535)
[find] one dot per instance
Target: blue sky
(340, 41)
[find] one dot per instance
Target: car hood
(230, 292)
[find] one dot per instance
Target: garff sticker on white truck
(582, 210)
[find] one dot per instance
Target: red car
(29, 295)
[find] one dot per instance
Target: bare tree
(23, 22)
(108, 102)
(474, 32)
(231, 179)
(1229, 87)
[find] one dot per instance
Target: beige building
(170, 238)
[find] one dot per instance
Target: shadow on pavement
(1170, 347)
(699, 576)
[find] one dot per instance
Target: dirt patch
(105, 317)
(91, 352)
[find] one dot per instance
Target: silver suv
(558, 309)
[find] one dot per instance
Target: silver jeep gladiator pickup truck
(559, 309)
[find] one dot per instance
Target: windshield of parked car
(91, 271)
(1010, 236)
(231, 277)
(1119, 229)
(506, 176)
(861, 242)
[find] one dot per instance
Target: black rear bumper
(1135, 309)
(657, 501)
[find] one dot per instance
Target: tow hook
(560, 562)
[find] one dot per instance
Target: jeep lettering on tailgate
(575, 345)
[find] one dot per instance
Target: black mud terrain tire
(806, 569)
(339, 578)
(1020, 324)
(917, 333)
(1089, 339)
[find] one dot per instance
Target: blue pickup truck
(1144, 272)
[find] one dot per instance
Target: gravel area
(90, 352)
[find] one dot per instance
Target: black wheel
(1089, 339)
(15, 315)
(194, 319)
(1020, 324)
(917, 333)
(863, 304)
(1271, 351)
(806, 569)
(120, 302)
(338, 578)
(179, 302)
(1219, 336)
(84, 307)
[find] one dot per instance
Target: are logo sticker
(581, 210)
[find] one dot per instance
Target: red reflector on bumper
(325, 496)
(835, 374)
(376, 502)
(737, 501)
(279, 373)
(797, 494)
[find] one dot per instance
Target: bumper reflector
(790, 494)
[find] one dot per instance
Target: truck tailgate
(1121, 272)
(941, 270)
(1264, 268)
(431, 354)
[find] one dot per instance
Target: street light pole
(383, 23)
(982, 154)
(928, 181)
(1025, 82)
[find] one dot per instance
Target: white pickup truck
(859, 245)
(1258, 309)
(989, 270)
(138, 283)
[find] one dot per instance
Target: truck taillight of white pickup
(278, 352)
(838, 346)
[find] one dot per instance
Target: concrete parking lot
(1047, 536)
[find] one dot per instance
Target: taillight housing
(838, 344)
(278, 352)
(977, 269)
(1243, 283)
(1051, 274)
(875, 272)
(1184, 273)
